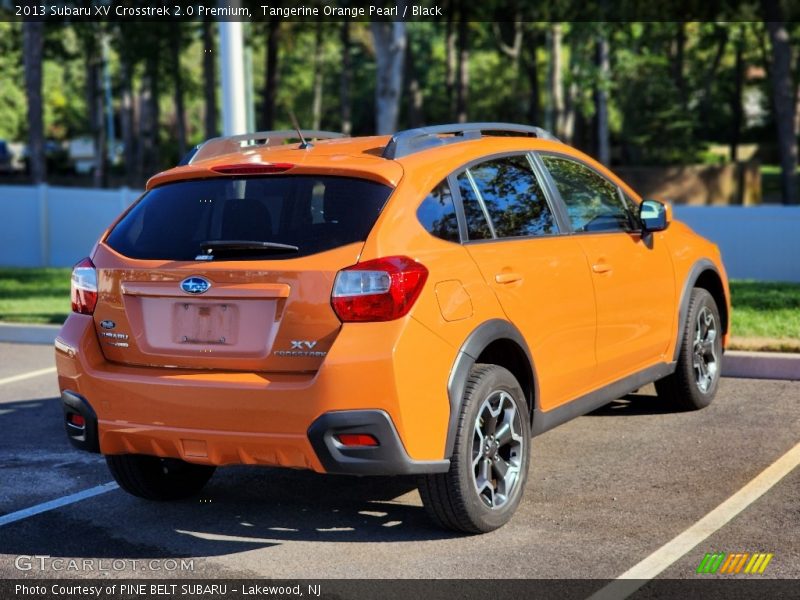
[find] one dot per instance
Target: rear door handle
(508, 277)
(601, 267)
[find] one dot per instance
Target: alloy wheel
(704, 359)
(497, 449)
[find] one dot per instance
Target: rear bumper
(287, 420)
(219, 448)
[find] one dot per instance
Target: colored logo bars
(735, 562)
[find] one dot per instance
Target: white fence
(54, 226)
(757, 242)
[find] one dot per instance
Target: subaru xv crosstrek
(421, 304)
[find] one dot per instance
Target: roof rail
(235, 143)
(411, 141)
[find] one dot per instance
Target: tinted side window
(437, 213)
(477, 226)
(592, 202)
(513, 197)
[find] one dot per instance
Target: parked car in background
(6, 159)
(420, 304)
(82, 156)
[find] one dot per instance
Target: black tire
(156, 478)
(693, 386)
(453, 499)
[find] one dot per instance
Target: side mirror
(653, 215)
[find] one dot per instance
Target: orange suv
(421, 304)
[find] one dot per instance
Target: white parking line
(57, 503)
(28, 375)
(638, 575)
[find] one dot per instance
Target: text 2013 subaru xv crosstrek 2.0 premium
(418, 304)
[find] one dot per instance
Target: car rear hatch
(231, 273)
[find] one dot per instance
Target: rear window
(314, 214)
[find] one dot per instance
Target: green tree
(13, 122)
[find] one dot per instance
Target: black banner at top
(404, 10)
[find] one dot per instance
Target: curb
(737, 364)
(761, 365)
(21, 333)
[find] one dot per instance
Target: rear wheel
(155, 478)
(489, 465)
(694, 383)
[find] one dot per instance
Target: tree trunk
(450, 64)
(462, 78)
(142, 126)
(736, 99)
(567, 128)
(100, 133)
(555, 87)
(601, 100)
(180, 112)
(272, 76)
(678, 60)
(514, 53)
(416, 116)
(33, 48)
(316, 103)
(155, 115)
(149, 121)
(710, 77)
(783, 98)
(126, 120)
(534, 106)
(209, 80)
(390, 47)
(345, 84)
(94, 104)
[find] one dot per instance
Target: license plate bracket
(205, 323)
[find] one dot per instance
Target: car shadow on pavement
(635, 404)
(241, 508)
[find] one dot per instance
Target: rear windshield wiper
(213, 248)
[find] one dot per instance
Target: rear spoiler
(235, 143)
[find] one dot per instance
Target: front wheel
(489, 465)
(694, 383)
(155, 478)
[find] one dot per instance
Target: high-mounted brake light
(83, 290)
(383, 289)
(252, 168)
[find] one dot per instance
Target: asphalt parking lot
(605, 491)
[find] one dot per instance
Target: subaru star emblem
(195, 285)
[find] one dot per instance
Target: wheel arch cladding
(495, 342)
(703, 274)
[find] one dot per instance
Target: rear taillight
(378, 290)
(84, 287)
